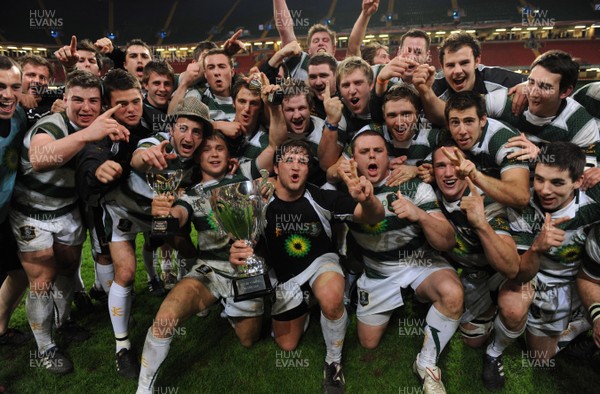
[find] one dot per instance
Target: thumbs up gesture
(550, 236)
(405, 209)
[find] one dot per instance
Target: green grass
(207, 358)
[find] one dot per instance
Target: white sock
(39, 309)
(148, 257)
(502, 338)
(62, 295)
(334, 332)
(154, 353)
(573, 330)
(119, 306)
(105, 274)
(438, 332)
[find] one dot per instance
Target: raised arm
(329, 151)
(369, 209)
(512, 189)
(500, 250)
(369, 7)
(283, 22)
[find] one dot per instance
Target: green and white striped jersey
(220, 108)
(50, 193)
(589, 97)
(468, 251)
(389, 243)
(560, 264)
(135, 195)
(572, 123)
(490, 153)
(213, 244)
(418, 148)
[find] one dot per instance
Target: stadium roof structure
(48, 22)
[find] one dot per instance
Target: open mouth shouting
(139, 71)
(460, 82)
(373, 170)
(297, 125)
(186, 149)
(7, 108)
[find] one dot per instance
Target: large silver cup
(164, 182)
(238, 209)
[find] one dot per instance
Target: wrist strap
(594, 311)
(330, 126)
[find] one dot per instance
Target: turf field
(205, 357)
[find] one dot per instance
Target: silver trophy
(164, 182)
(238, 209)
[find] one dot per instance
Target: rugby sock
(39, 309)
(438, 331)
(119, 306)
(97, 282)
(62, 295)
(334, 332)
(573, 330)
(154, 353)
(148, 257)
(502, 338)
(105, 274)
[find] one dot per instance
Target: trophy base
(251, 287)
(164, 227)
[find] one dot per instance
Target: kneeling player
(398, 253)
(301, 252)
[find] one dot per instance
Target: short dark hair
(213, 135)
(323, 58)
(83, 79)
(367, 133)
(86, 45)
(119, 79)
(564, 156)
(370, 50)
(291, 145)
(404, 92)
(465, 100)
(416, 33)
(201, 47)
(559, 62)
(140, 42)
(457, 40)
(37, 61)
(6, 63)
(160, 67)
(239, 85)
(217, 51)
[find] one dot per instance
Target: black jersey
(297, 232)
